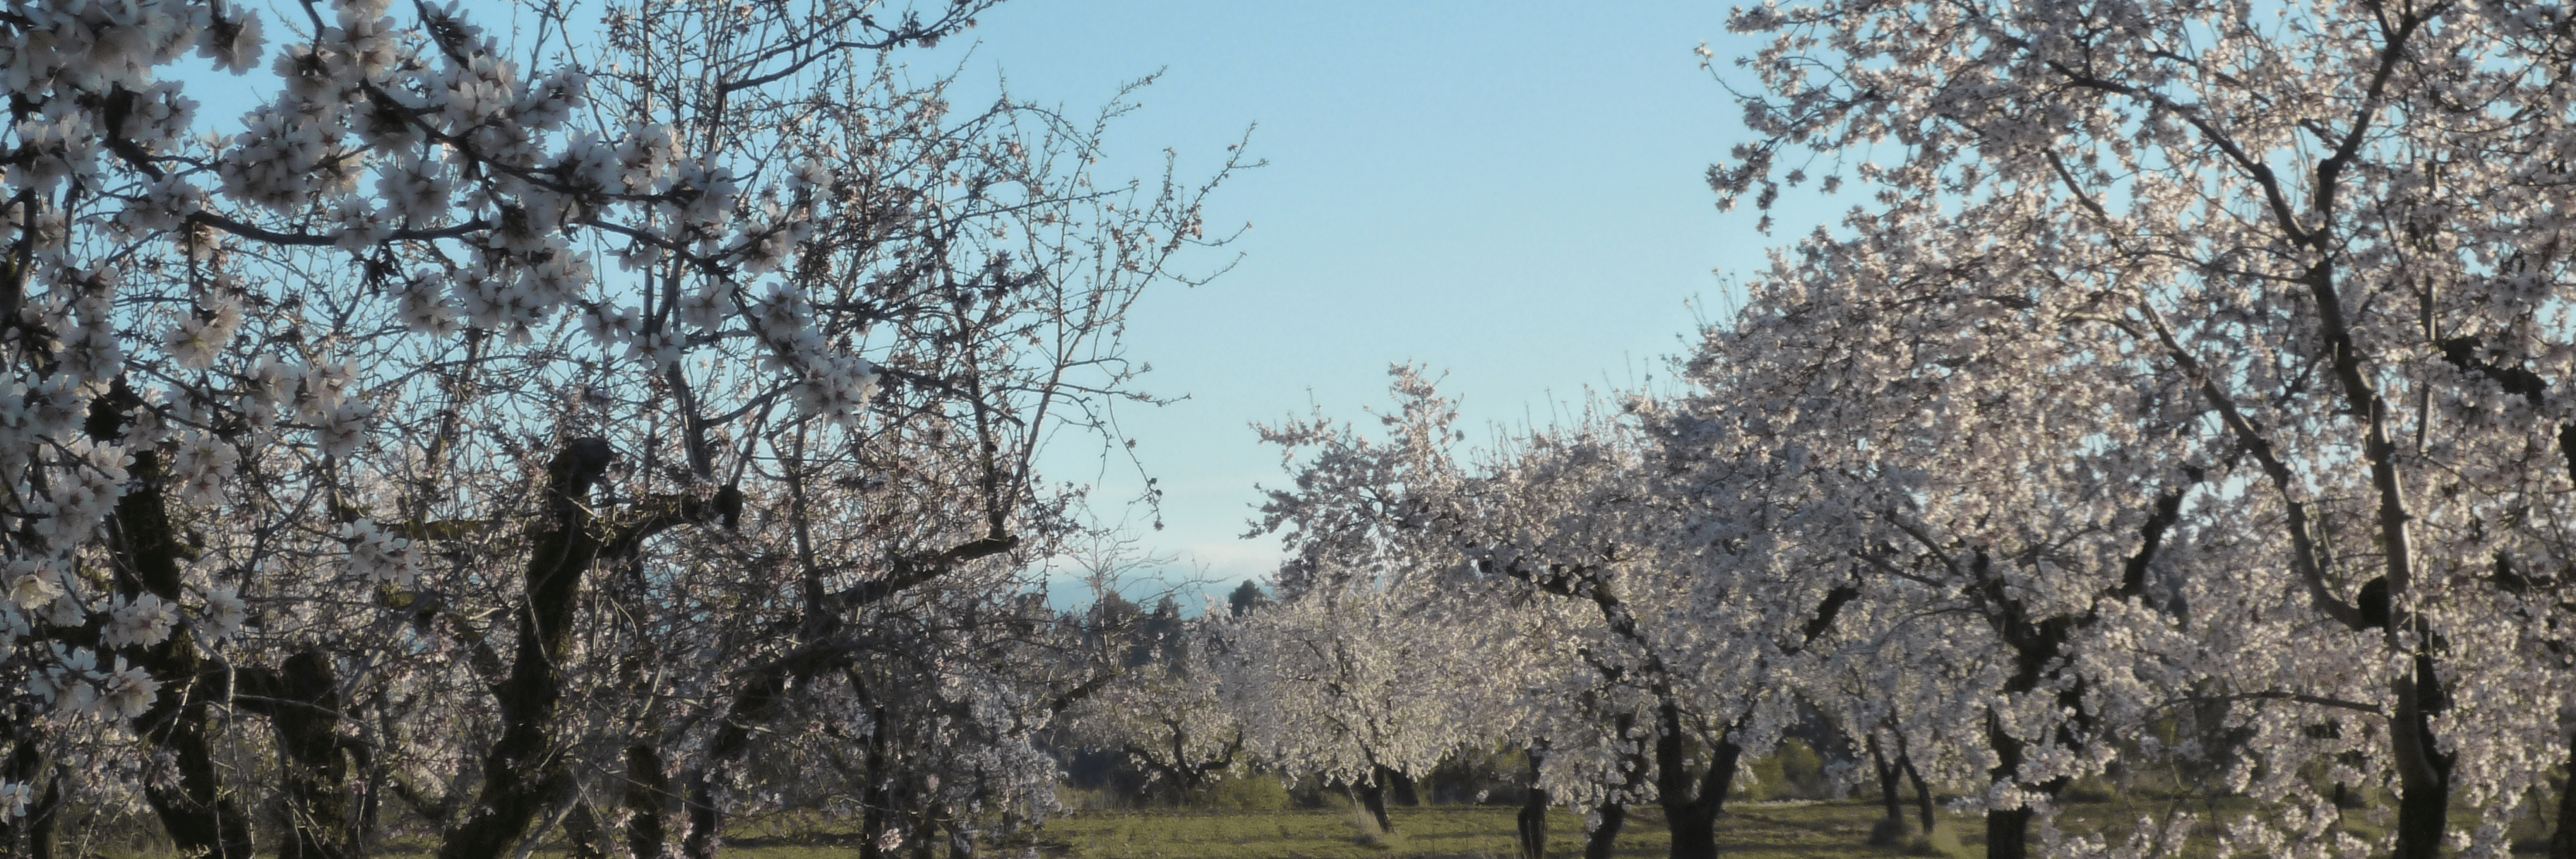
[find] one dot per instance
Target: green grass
(1748, 831)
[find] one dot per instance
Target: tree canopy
(549, 423)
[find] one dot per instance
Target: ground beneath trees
(1808, 830)
(1750, 830)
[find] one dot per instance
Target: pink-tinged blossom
(376, 555)
(128, 691)
(143, 621)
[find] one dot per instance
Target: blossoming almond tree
(1716, 636)
(1344, 676)
(1995, 567)
(2307, 256)
(1356, 687)
(461, 409)
(1636, 659)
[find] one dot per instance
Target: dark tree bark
(925, 832)
(1371, 793)
(1887, 776)
(2038, 646)
(709, 786)
(1691, 805)
(646, 786)
(2463, 352)
(522, 774)
(39, 823)
(1183, 777)
(1402, 791)
(148, 552)
(1922, 792)
(2007, 829)
(2424, 772)
(1890, 829)
(2562, 839)
(1532, 822)
(304, 710)
(583, 834)
(1715, 783)
(1602, 839)
(371, 800)
(764, 690)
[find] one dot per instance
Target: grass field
(1749, 831)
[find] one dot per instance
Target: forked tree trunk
(1887, 776)
(1691, 806)
(710, 787)
(523, 773)
(371, 801)
(1922, 792)
(1401, 790)
(2008, 833)
(1890, 829)
(1716, 784)
(2037, 644)
(2008, 830)
(925, 832)
(38, 825)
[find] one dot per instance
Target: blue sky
(1506, 192)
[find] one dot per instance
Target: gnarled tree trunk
(522, 773)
